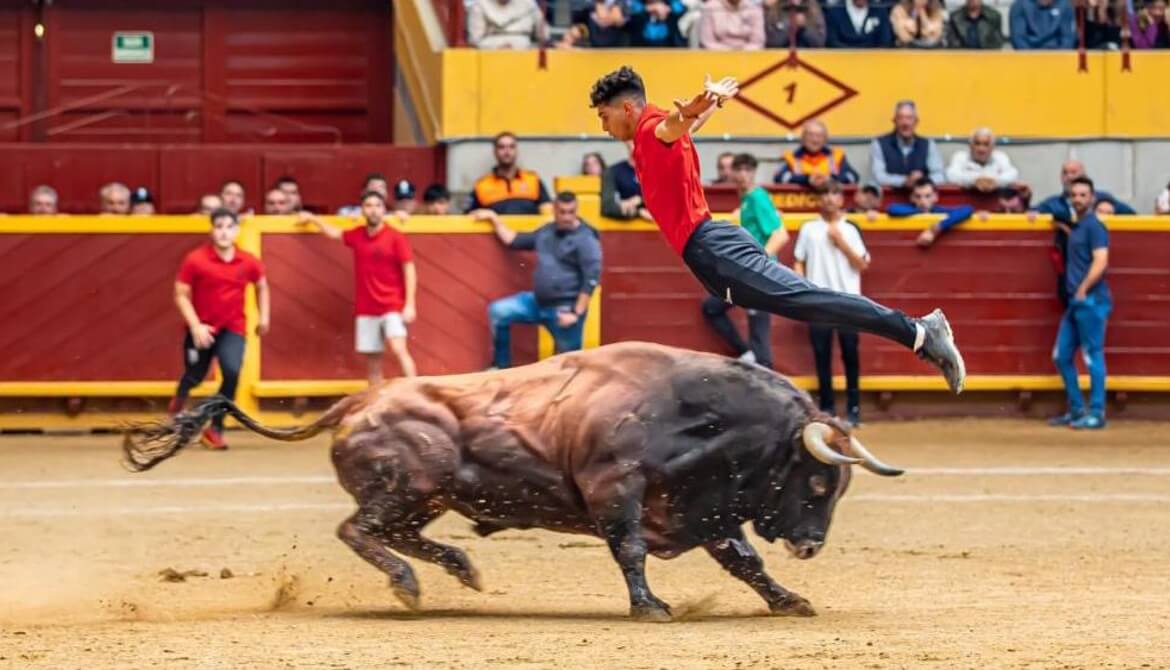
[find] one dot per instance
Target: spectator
(208, 203)
(115, 198)
(868, 199)
(1162, 204)
(815, 163)
(805, 15)
(209, 293)
(1042, 24)
(902, 157)
(918, 23)
(141, 202)
(592, 164)
(276, 202)
(508, 189)
(1063, 214)
(621, 194)
(654, 23)
(1102, 25)
(568, 269)
(731, 25)
(385, 284)
(924, 199)
(759, 217)
(1104, 208)
(1149, 27)
(855, 24)
(1014, 199)
(607, 24)
(376, 182)
(981, 166)
(42, 200)
(723, 168)
(404, 201)
(436, 200)
(232, 194)
(974, 26)
(293, 190)
(831, 253)
(1084, 321)
(505, 24)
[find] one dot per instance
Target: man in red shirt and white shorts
(725, 258)
(209, 292)
(385, 282)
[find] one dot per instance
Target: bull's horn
(871, 462)
(814, 440)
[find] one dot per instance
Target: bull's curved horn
(814, 436)
(871, 462)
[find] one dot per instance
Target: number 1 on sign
(791, 88)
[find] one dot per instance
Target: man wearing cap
(404, 202)
(141, 202)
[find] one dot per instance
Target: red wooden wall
(240, 71)
(329, 175)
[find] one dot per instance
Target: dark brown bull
(653, 449)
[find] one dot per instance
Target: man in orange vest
(815, 163)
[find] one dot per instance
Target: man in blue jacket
(1043, 24)
(924, 197)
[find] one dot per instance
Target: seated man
(509, 189)
(902, 157)
(981, 166)
(1042, 24)
(857, 24)
(814, 163)
(511, 24)
(621, 194)
(925, 201)
(568, 268)
(436, 200)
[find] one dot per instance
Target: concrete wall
(1133, 171)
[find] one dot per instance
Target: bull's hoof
(793, 606)
(650, 614)
(469, 577)
(407, 593)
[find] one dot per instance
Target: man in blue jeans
(568, 268)
(1083, 325)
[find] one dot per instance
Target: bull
(656, 450)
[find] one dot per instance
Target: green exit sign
(133, 47)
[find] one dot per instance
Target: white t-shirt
(824, 264)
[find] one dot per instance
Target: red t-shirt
(379, 281)
(217, 286)
(669, 175)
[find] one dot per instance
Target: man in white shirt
(981, 166)
(830, 253)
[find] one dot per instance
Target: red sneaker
(212, 439)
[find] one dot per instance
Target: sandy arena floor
(1012, 546)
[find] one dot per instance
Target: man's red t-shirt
(379, 280)
(217, 286)
(669, 174)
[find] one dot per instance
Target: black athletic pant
(821, 338)
(228, 349)
(733, 267)
(759, 329)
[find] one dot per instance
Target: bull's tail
(145, 445)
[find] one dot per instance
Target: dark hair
(285, 179)
(922, 181)
(872, 189)
(224, 212)
(1083, 180)
(566, 197)
(237, 182)
(435, 193)
(500, 136)
(375, 175)
(744, 161)
(620, 83)
(372, 194)
(597, 155)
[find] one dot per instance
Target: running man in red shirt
(724, 257)
(385, 282)
(209, 292)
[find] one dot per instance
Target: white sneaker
(748, 356)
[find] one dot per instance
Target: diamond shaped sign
(792, 92)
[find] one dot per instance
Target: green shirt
(758, 215)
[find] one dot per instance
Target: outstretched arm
(690, 116)
(309, 219)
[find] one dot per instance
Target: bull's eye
(819, 485)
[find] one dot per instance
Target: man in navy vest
(899, 159)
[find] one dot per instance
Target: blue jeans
(1083, 327)
(522, 308)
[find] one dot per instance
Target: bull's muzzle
(804, 549)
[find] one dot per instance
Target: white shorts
(370, 332)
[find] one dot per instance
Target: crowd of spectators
(724, 25)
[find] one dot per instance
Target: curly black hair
(621, 82)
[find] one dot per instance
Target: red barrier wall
(330, 176)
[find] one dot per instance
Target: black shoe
(939, 349)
